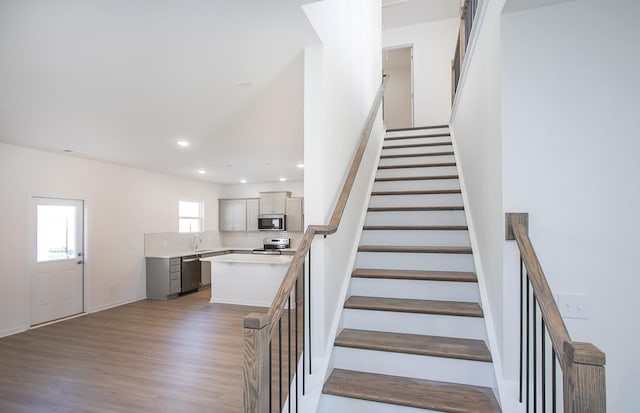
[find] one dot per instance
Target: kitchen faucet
(195, 243)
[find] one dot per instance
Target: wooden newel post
(255, 363)
(584, 378)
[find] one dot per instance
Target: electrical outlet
(574, 305)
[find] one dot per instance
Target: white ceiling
(397, 13)
(121, 81)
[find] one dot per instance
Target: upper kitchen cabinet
(253, 207)
(294, 214)
(233, 214)
(273, 202)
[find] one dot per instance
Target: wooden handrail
(258, 328)
(550, 312)
(280, 299)
(582, 364)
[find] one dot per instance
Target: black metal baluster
(289, 351)
(297, 336)
(304, 333)
(544, 362)
(528, 354)
(310, 369)
(553, 379)
(280, 364)
(270, 375)
(521, 326)
(535, 356)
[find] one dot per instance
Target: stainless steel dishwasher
(191, 274)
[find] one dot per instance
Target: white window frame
(199, 218)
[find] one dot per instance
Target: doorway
(398, 95)
(57, 259)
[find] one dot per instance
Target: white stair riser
(419, 149)
(414, 323)
(416, 159)
(336, 404)
(416, 185)
(417, 289)
(475, 373)
(427, 171)
(415, 261)
(457, 238)
(416, 200)
(416, 218)
(415, 132)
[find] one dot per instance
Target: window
(190, 216)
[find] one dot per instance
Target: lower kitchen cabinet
(163, 277)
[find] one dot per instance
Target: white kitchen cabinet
(273, 202)
(253, 209)
(294, 214)
(232, 214)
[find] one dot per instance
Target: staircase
(413, 334)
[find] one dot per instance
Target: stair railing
(582, 364)
(262, 333)
(467, 16)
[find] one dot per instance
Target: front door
(57, 275)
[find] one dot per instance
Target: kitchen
(251, 249)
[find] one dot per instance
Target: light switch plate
(574, 305)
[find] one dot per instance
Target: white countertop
(186, 253)
(251, 259)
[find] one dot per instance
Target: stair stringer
(505, 390)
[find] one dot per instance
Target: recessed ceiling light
(283, 179)
(300, 165)
(183, 143)
(202, 171)
(244, 83)
(243, 181)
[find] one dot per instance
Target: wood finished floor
(182, 355)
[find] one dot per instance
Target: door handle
(79, 262)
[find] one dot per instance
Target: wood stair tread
(423, 345)
(456, 276)
(433, 135)
(415, 178)
(409, 305)
(415, 228)
(416, 155)
(416, 208)
(418, 393)
(417, 145)
(419, 249)
(418, 128)
(417, 165)
(418, 192)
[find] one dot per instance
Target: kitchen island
(246, 279)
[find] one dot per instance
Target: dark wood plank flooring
(182, 355)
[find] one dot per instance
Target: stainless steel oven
(271, 222)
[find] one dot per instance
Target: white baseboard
(116, 304)
(12, 331)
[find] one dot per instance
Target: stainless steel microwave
(271, 222)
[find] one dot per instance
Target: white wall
(342, 77)
(433, 48)
(570, 151)
(122, 205)
(551, 130)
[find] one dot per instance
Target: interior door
(398, 95)
(57, 276)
